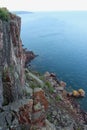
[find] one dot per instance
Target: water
(60, 40)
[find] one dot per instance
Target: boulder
(81, 92)
(62, 83)
(75, 93)
(78, 93)
(47, 75)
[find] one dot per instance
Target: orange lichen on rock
(39, 96)
(24, 114)
(34, 112)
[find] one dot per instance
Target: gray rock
(85, 127)
(1, 91)
(49, 126)
(54, 113)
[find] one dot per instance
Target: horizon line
(48, 10)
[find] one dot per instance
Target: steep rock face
(16, 111)
(12, 60)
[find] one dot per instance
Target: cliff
(12, 60)
(16, 111)
(27, 99)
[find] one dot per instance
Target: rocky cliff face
(28, 99)
(12, 60)
(16, 111)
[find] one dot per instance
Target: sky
(44, 5)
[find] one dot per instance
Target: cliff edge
(12, 60)
(17, 111)
(28, 100)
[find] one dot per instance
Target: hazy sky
(44, 5)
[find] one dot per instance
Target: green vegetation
(79, 129)
(33, 85)
(11, 68)
(5, 102)
(42, 78)
(49, 117)
(58, 98)
(5, 73)
(48, 84)
(4, 14)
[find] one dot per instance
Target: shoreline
(66, 88)
(78, 113)
(71, 88)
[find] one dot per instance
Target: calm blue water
(60, 40)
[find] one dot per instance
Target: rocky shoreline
(29, 100)
(68, 103)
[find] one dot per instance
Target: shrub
(58, 98)
(4, 14)
(50, 87)
(47, 83)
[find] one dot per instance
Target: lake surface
(60, 40)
